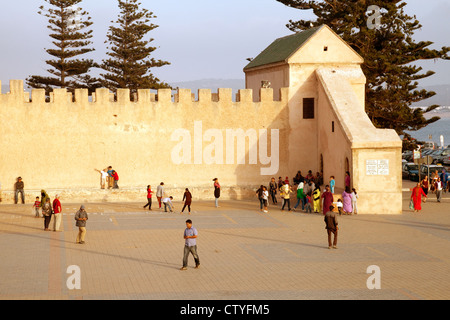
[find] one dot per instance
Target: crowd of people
(308, 194)
(52, 210)
(437, 184)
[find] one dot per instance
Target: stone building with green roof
(329, 130)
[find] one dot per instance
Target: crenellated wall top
(104, 95)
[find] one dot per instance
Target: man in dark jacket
(81, 217)
(331, 224)
(18, 188)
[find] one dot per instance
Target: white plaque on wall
(377, 167)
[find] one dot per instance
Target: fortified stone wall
(57, 145)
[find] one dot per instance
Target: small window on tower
(325, 48)
(308, 108)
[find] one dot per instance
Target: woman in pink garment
(347, 200)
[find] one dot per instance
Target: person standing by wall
(18, 188)
(347, 200)
(347, 179)
(81, 217)
(317, 199)
(103, 177)
(332, 184)
(190, 245)
(259, 193)
(354, 201)
(110, 177)
(115, 176)
(57, 213)
(273, 190)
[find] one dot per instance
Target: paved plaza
(245, 254)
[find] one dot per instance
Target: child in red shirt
(36, 207)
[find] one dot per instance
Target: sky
(202, 39)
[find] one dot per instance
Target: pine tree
(389, 52)
(70, 34)
(130, 64)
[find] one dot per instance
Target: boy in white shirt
(168, 203)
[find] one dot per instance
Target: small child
(340, 206)
(332, 184)
(354, 200)
(36, 207)
(265, 197)
(308, 203)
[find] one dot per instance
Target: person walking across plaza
(438, 187)
(160, 193)
(425, 187)
(300, 196)
(444, 180)
(265, 198)
(216, 191)
(187, 198)
(81, 217)
(331, 225)
(327, 197)
(285, 193)
(190, 245)
(47, 211)
(416, 197)
(149, 197)
(57, 213)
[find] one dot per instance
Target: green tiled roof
(281, 48)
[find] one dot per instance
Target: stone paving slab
(132, 253)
